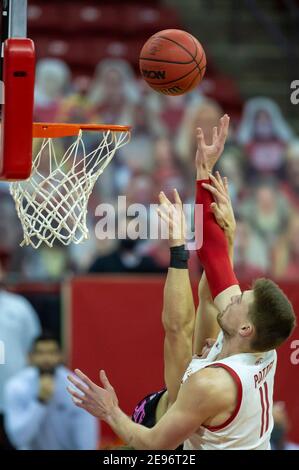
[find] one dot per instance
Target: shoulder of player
(213, 382)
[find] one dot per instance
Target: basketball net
(52, 203)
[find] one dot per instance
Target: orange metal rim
(55, 130)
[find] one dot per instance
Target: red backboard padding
(17, 111)
(115, 323)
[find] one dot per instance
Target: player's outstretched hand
(96, 400)
(208, 155)
(173, 216)
(222, 207)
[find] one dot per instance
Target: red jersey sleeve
(213, 253)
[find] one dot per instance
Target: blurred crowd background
(261, 158)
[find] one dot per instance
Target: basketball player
(178, 311)
(225, 401)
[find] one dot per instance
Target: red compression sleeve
(213, 253)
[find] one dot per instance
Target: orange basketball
(172, 62)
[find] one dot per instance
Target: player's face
(232, 319)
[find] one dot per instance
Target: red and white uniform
(250, 426)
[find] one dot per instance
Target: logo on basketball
(154, 74)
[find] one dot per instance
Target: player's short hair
(272, 315)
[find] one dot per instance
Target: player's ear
(246, 330)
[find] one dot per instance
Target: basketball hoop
(52, 203)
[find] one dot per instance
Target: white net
(52, 203)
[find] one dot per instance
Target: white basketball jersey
(250, 426)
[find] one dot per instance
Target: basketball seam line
(183, 47)
(166, 61)
(193, 80)
(196, 48)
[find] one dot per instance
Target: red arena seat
(148, 19)
(93, 18)
(45, 17)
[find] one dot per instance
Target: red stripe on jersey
(238, 383)
(263, 410)
(267, 406)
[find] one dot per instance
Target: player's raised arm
(206, 325)
(178, 315)
(202, 396)
(214, 252)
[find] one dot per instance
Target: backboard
(17, 82)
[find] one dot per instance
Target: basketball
(172, 62)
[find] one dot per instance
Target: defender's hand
(208, 155)
(222, 207)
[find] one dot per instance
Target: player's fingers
(223, 130)
(216, 183)
(164, 199)
(75, 394)
(200, 137)
(215, 134)
(217, 195)
(165, 212)
(79, 385)
(165, 217)
(105, 381)
(85, 379)
(217, 213)
(177, 198)
(79, 404)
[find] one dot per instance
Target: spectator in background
(286, 251)
(251, 257)
(266, 211)
(279, 440)
(172, 112)
(264, 134)
(128, 257)
(38, 412)
(231, 165)
(51, 86)
(204, 113)
(19, 326)
(114, 92)
(113, 95)
(125, 255)
(130, 159)
(168, 171)
(75, 106)
(290, 187)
